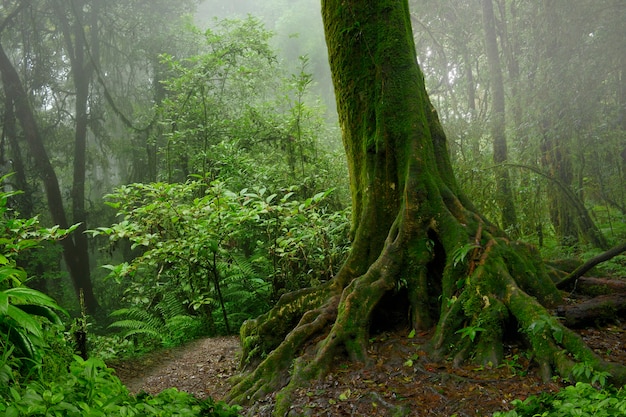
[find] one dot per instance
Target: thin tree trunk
(13, 88)
(504, 193)
(9, 134)
(82, 74)
(603, 257)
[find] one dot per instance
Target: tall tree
(74, 247)
(412, 227)
(561, 122)
(504, 193)
(77, 18)
(57, 69)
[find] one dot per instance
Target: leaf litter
(400, 380)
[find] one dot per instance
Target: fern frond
(133, 327)
(170, 306)
(138, 321)
(245, 265)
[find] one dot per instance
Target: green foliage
(231, 112)
(460, 253)
(38, 374)
(167, 330)
(583, 371)
(579, 400)
(206, 252)
(111, 346)
(229, 119)
(547, 324)
(25, 314)
(470, 332)
(89, 388)
(211, 96)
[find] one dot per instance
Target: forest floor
(401, 380)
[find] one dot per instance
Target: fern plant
(245, 291)
(137, 321)
(166, 322)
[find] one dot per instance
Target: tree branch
(578, 272)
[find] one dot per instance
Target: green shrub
(582, 399)
(209, 255)
(26, 315)
(91, 389)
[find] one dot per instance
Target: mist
(297, 28)
(172, 168)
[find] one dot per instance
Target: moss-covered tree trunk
(412, 229)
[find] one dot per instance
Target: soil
(401, 380)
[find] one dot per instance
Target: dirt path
(201, 368)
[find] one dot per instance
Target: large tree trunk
(414, 232)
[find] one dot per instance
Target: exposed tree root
(349, 314)
(480, 298)
(272, 373)
(413, 230)
(493, 301)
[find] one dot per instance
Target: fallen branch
(578, 272)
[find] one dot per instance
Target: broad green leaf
(25, 295)
(42, 311)
(25, 320)
(4, 303)
(16, 275)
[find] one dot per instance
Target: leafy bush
(582, 399)
(232, 113)
(25, 314)
(203, 251)
(39, 375)
(91, 389)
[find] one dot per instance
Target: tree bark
(598, 310)
(415, 233)
(9, 133)
(594, 286)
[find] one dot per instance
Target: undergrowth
(90, 389)
(582, 399)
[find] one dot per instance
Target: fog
(298, 30)
(197, 181)
(541, 82)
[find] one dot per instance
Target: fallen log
(599, 286)
(598, 310)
